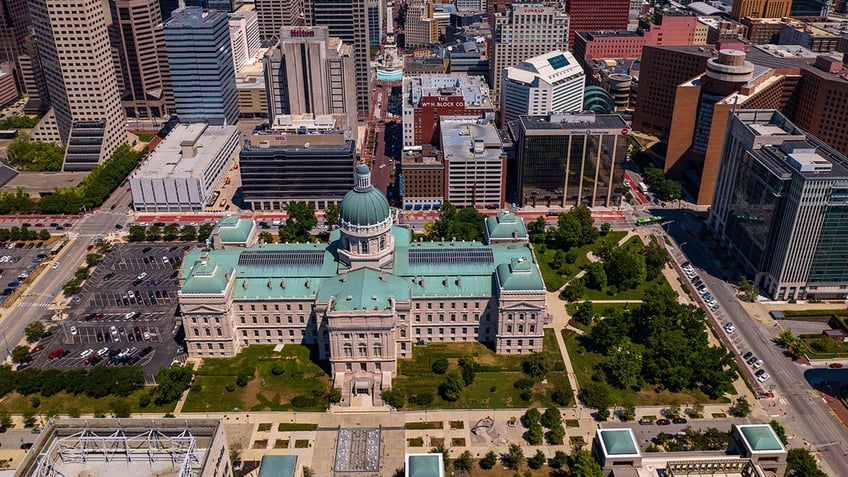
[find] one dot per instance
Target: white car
(86, 353)
(763, 377)
(141, 276)
(146, 336)
(729, 328)
(165, 260)
(74, 330)
(114, 331)
(103, 352)
(56, 265)
(758, 364)
(131, 294)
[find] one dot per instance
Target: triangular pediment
(201, 308)
(522, 305)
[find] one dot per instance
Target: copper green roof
(364, 204)
(505, 225)
(278, 466)
(760, 438)
(363, 289)
(423, 465)
(618, 442)
(233, 229)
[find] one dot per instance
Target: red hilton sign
(301, 33)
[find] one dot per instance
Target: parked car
(646, 421)
(73, 330)
(663, 422)
(835, 365)
(56, 353)
(86, 353)
(765, 377)
(36, 349)
(747, 355)
(758, 364)
(729, 328)
(752, 360)
(679, 420)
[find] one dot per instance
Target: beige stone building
(368, 296)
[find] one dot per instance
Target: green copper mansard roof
(364, 205)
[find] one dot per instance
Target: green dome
(364, 205)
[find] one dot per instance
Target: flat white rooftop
(168, 159)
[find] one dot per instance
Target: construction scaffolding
(151, 446)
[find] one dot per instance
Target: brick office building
(591, 15)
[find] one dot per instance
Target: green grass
(585, 361)
(293, 426)
(145, 137)
(420, 426)
(631, 294)
(301, 377)
(497, 372)
(63, 403)
(554, 279)
(415, 442)
(821, 347)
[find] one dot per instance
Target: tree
(573, 291)
(120, 408)
(535, 434)
(35, 156)
(536, 230)
(5, 419)
(536, 365)
(749, 289)
(625, 269)
(559, 260)
(43, 234)
(560, 460)
(331, 215)
(153, 233)
(308, 472)
(235, 452)
(792, 343)
(172, 381)
(440, 365)
(71, 287)
(582, 464)
(800, 463)
(92, 259)
(605, 228)
(596, 395)
(656, 256)
(556, 436)
(266, 237)
(440, 449)
(514, 457)
(20, 353)
(531, 417)
(204, 231)
(81, 273)
(137, 233)
(551, 417)
(451, 389)
(585, 313)
(468, 367)
(170, 232)
(300, 222)
(34, 331)
(596, 276)
(623, 364)
(489, 460)
(464, 462)
(779, 430)
(742, 408)
(394, 397)
(537, 461)
(188, 233)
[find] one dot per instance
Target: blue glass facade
(201, 65)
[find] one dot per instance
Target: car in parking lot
(86, 353)
(679, 420)
(758, 364)
(835, 365)
(73, 330)
(729, 327)
(663, 422)
(165, 260)
(646, 421)
(36, 349)
(760, 372)
(747, 355)
(56, 353)
(146, 336)
(763, 377)
(753, 359)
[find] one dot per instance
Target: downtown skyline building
(86, 113)
(522, 31)
(553, 82)
(275, 14)
(200, 60)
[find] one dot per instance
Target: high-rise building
(201, 63)
(76, 58)
(167, 7)
(348, 21)
(300, 159)
(475, 162)
(522, 31)
(244, 37)
(810, 10)
(376, 20)
(592, 15)
(423, 178)
(428, 97)
(781, 207)
(552, 82)
(140, 45)
(14, 21)
(421, 29)
(569, 159)
(309, 72)
(760, 9)
(275, 14)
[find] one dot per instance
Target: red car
(36, 349)
(55, 353)
(835, 365)
(90, 246)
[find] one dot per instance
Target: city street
(806, 413)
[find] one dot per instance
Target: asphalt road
(806, 412)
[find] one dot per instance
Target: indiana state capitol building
(366, 297)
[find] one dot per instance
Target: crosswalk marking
(40, 304)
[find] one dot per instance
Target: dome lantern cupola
(365, 223)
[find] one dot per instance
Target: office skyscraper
(77, 61)
(569, 159)
(275, 14)
(522, 31)
(144, 63)
(781, 207)
(201, 64)
(760, 9)
(592, 15)
(347, 20)
(553, 82)
(309, 72)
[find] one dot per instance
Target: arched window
(509, 328)
(520, 328)
(378, 350)
(348, 350)
(532, 328)
(363, 350)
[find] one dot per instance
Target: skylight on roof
(558, 61)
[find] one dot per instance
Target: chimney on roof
(344, 277)
(445, 282)
(270, 284)
(382, 276)
(308, 283)
(283, 283)
(459, 282)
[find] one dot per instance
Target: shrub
(197, 387)
(277, 369)
(526, 395)
(144, 400)
(423, 398)
(231, 387)
(334, 395)
(440, 365)
(242, 379)
(394, 397)
(489, 461)
(303, 401)
(524, 383)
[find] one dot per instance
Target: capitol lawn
(493, 386)
(219, 390)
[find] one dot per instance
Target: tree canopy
(301, 221)
(460, 224)
(35, 156)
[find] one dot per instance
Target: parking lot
(17, 263)
(126, 313)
